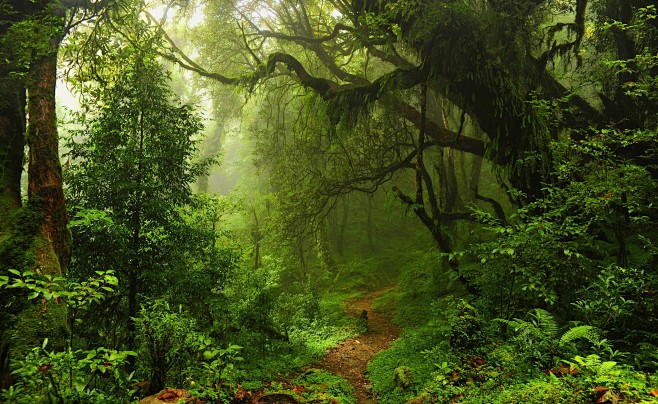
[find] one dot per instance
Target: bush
(96, 375)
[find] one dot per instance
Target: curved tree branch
(338, 28)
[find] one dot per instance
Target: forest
(328, 201)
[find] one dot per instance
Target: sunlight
(193, 19)
(257, 12)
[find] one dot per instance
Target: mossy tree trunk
(33, 236)
(45, 191)
(12, 144)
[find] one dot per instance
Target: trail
(350, 358)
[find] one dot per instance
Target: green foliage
(173, 351)
(414, 356)
(294, 311)
(624, 382)
(322, 386)
(403, 377)
(466, 326)
(619, 298)
(96, 375)
(422, 278)
(536, 391)
(549, 255)
(77, 295)
(214, 378)
(132, 165)
(73, 297)
(67, 375)
(25, 41)
(586, 332)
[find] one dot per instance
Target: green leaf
(208, 355)
(605, 367)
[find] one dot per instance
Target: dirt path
(350, 358)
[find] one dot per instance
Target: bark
(256, 236)
(135, 243)
(45, 191)
(39, 239)
(369, 226)
(12, 144)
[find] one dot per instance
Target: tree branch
(300, 38)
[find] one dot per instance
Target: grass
(424, 342)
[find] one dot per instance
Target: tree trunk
(40, 232)
(12, 145)
(45, 191)
(342, 226)
(256, 236)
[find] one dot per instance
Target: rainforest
(328, 201)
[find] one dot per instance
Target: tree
(133, 160)
(36, 236)
(485, 62)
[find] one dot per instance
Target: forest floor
(349, 359)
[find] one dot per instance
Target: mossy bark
(34, 237)
(12, 145)
(45, 190)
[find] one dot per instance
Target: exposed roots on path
(350, 358)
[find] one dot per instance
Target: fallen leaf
(45, 368)
(143, 385)
(604, 394)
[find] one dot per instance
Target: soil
(350, 358)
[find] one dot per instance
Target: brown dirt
(350, 358)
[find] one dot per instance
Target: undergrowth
(451, 352)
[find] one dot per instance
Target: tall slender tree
(133, 159)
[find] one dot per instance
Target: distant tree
(487, 62)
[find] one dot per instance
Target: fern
(594, 364)
(586, 332)
(544, 322)
(541, 325)
(590, 361)
(605, 368)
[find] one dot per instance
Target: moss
(16, 249)
(37, 322)
(45, 256)
(24, 323)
